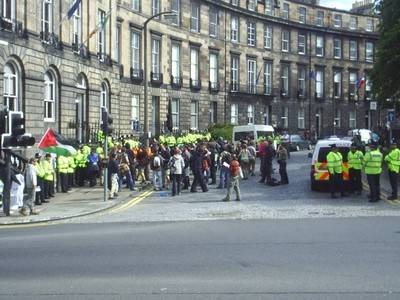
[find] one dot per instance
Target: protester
(282, 154)
(197, 170)
(224, 160)
(156, 166)
(176, 165)
(252, 158)
(113, 168)
(244, 160)
(30, 188)
(93, 167)
(235, 172)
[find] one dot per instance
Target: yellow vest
(373, 162)
(335, 162)
(393, 160)
(62, 164)
(48, 170)
(355, 160)
(71, 164)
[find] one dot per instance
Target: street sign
(391, 115)
(373, 105)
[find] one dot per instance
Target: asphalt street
(281, 242)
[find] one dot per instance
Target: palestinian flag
(53, 142)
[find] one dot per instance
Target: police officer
(48, 177)
(62, 167)
(335, 167)
(393, 161)
(80, 173)
(373, 169)
(355, 159)
(71, 171)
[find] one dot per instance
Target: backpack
(244, 157)
(171, 165)
(155, 162)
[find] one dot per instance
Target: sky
(340, 4)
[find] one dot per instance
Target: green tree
(385, 74)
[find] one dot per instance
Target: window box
(156, 79)
(195, 85)
(50, 39)
(213, 87)
(176, 82)
(136, 75)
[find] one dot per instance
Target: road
(280, 242)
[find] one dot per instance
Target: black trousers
(48, 188)
(213, 174)
(80, 176)
(374, 186)
(393, 177)
(336, 183)
(266, 170)
(64, 182)
(176, 183)
(71, 180)
(355, 184)
(198, 180)
(283, 172)
(40, 195)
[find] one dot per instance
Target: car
(296, 142)
(319, 167)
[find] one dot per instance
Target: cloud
(340, 4)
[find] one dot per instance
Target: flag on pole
(360, 83)
(73, 8)
(53, 142)
(100, 26)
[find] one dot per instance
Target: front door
(80, 118)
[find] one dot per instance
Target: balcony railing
(252, 89)
(136, 75)
(195, 84)
(213, 87)
(156, 78)
(176, 82)
(50, 39)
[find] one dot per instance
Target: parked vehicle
(296, 142)
(365, 135)
(251, 132)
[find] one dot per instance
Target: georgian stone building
(292, 64)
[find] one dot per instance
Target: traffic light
(106, 121)
(16, 136)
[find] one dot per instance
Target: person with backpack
(252, 159)
(197, 169)
(206, 163)
(244, 160)
(235, 174)
(186, 171)
(225, 158)
(156, 167)
(176, 165)
(282, 154)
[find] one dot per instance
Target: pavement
(78, 203)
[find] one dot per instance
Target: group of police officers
(371, 162)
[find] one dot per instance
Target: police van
(319, 165)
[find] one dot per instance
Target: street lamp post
(146, 118)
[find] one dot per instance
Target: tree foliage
(385, 74)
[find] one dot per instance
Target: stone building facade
(293, 64)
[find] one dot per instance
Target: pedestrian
(252, 158)
(124, 170)
(39, 198)
(30, 188)
(142, 162)
(234, 179)
(132, 162)
(206, 162)
(186, 171)
(156, 166)
(373, 169)
(214, 162)
(393, 161)
(244, 160)
(335, 168)
(93, 167)
(268, 156)
(176, 165)
(282, 154)
(355, 161)
(197, 168)
(48, 177)
(224, 173)
(165, 172)
(113, 167)
(62, 167)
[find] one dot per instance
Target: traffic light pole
(7, 182)
(105, 180)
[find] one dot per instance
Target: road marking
(28, 225)
(132, 202)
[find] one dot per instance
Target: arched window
(104, 95)
(81, 82)
(11, 82)
(49, 97)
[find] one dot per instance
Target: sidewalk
(80, 202)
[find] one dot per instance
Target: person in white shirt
(30, 187)
(176, 165)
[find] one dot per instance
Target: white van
(365, 134)
(251, 132)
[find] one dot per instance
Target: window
(337, 48)
(235, 2)
(320, 18)
(155, 56)
(269, 9)
(319, 51)
(353, 23)
(213, 69)
(47, 17)
(234, 114)
(77, 27)
(337, 120)
(337, 84)
(353, 50)
(252, 5)
(251, 33)
(135, 107)
(319, 84)
(369, 51)
(285, 117)
(11, 87)
(176, 64)
(49, 97)
(104, 95)
(101, 36)
(135, 49)
(251, 75)
(337, 20)
(300, 118)
(302, 14)
(136, 5)
(352, 84)
(268, 77)
(368, 87)
(301, 81)
(213, 112)
(250, 114)
(194, 114)
(194, 66)
(370, 25)
(352, 119)
(118, 43)
(194, 16)
(234, 29)
(268, 36)
(285, 80)
(7, 10)
(176, 8)
(175, 112)
(285, 11)
(285, 40)
(302, 43)
(235, 73)
(213, 19)
(155, 7)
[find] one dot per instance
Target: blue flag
(73, 8)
